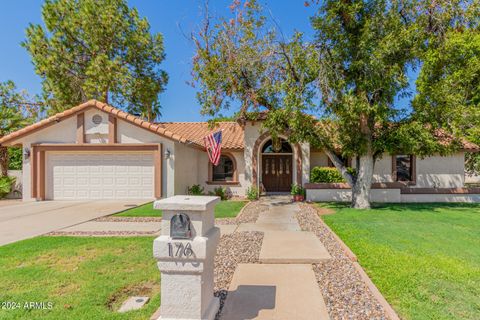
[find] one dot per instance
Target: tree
(449, 82)
(17, 111)
(349, 75)
(99, 49)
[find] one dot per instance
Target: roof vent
(97, 119)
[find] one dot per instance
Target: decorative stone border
(389, 311)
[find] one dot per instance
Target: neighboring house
(94, 151)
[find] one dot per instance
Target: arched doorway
(277, 158)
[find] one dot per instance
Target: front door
(277, 172)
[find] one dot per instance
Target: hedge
(327, 175)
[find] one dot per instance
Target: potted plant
(298, 193)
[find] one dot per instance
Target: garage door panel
(100, 176)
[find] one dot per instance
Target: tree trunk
(363, 182)
(3, 161)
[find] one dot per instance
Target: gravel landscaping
(345, 293)
(250, 212)
(235, 248)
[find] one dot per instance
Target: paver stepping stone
(274, 292)
(292, 247)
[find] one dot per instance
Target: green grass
(424, 258)
(224, 209)
(84, 278)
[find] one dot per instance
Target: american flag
(213, 145)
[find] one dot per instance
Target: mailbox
(180, 226)
(185, 253)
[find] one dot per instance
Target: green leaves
(97, 49)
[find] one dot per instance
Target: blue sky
(174, 19)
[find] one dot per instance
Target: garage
(96, 171)
(106, 175)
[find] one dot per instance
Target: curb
(389, 311)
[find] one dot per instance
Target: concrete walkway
(284, 285)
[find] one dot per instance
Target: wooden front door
(277, 172)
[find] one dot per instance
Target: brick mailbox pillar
(185, 252)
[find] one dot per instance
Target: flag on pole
(213, 145)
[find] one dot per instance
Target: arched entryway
(277, 165)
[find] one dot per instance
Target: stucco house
(95, 151)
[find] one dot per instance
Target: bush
(15, 158)
(6, 186)
(252, 193)
(220, 192)
(328, 175)
(297, 190)
(195, 190)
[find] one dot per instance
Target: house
(95, 151)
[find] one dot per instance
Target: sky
(173, 18)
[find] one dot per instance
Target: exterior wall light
(167, 154)
(26, 153)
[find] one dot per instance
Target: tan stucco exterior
(184, 164)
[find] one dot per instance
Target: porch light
(26, 153)
(167, 154)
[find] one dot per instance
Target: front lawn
(223, 209)
(84, 278)
(424, 258)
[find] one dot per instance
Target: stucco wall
(62, 132)
(128, 133)
(253, 130)
(236, 190)
(431, 172)
(96, 133)
(18, 175)
(65, 132)
(318, 159)
(187, 166)
(388, 195)
(441, 172)
(345, 195)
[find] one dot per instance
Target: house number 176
(178, 250)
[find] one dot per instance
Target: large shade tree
(17, 109)
(99, 49)
(349, 76)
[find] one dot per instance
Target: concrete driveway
(23, 220)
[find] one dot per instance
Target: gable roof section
(84, 106)
(232, 132)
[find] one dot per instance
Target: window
(224, 171)
(404, 167)
(280, 146)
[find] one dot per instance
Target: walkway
(283, 286)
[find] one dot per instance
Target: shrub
(6, 186)
(297, 190)
(15, 158)
(220, 192)
(328, 175)
(195, 190)
(252, 193)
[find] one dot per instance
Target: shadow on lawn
(434, 206)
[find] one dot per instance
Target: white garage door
(100, 176)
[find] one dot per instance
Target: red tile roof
(190, 133)
(232, 132)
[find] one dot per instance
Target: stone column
(185, 252)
